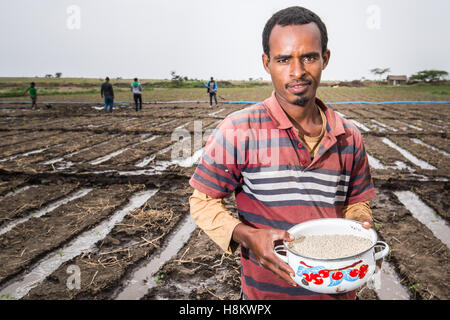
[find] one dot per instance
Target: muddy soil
(7, 186)
(422, 152)
(130, 243)
(421, 259)
(28, 241)
(81, 134)
(33, 198)
(436, 196)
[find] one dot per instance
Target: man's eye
(283, 60)
(310, 59)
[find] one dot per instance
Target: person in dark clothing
(108, 92)
(136, 88)
(212, 87)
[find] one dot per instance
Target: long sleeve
(214, 219)
(359, 211)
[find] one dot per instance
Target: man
(108, 92)
(211, 88)
(288, 160)
(136, 88)
(33, 94)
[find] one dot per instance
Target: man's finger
(367, 224)
(279, 267)
(282, 270)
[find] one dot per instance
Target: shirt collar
(334, 122)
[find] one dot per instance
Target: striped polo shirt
(257, 153)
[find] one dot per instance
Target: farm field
(99, 194)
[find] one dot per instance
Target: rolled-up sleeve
(214, 219)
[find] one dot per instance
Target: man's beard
(301, 101)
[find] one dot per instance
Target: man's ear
(326, 58)
(266, 60)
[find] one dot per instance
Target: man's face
(296, 62)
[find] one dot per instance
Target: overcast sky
(199, 39)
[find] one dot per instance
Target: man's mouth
(298, 87)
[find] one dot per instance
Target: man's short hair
(107, 78)
(293, 16)
(135, 79)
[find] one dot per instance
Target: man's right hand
(261, 243)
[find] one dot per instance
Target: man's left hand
(367, 224)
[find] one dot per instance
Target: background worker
(211, 88)
(136, 88)
(108, 92)
(33, 94)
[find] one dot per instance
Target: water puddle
(420, 163)
(358, 124)
(385, 126)
(120, 151)
(428, 124)
(213, 114)
(96, 125)
(376, 164)
(69, 164)
(158, 167)
(108, 156)
(190, 161)
(144, 162)
(84, 243)
(183, 125)
(14, 192)
(388, 285)
(23, 154)
(425, 215)
(142, 279)
(166, 123)
(45, 210)
(408, 125)
(52, 161)
(415, 140)
(377, 127)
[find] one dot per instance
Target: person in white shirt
(136, 88)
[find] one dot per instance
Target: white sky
(220, 38)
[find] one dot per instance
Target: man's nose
(297, 68)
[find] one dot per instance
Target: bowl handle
(281, 248)
(381, 254)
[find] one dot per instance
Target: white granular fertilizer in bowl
(331, 246)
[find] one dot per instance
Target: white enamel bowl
(332, 276)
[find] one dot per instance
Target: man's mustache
(301, 81)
